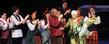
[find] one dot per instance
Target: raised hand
(24, 20)
(27, 17)
(60, 17)
(67, 11)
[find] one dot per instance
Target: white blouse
(84, 30)
(13, 21)
(3, 24)
(30, 25)
(97, 20)
(43, 24)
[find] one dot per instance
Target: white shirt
(97, 20)
(13, 21)
(43, 24)
(30, 25)
(85, 25)
(3, 24)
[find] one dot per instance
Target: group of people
(57, 26)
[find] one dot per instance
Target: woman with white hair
(74, 24)
(56, 31)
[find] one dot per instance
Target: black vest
(17, 26)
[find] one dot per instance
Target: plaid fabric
(92, 39)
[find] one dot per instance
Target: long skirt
(82, 36)
(45, 37)
(4, 38)
(30, 37)
(75, 40)
(38, 39)
(57, 40)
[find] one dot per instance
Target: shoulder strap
(18, 19)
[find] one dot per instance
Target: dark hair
(2, 12)
(30, 18)
(14, 8)
(79, 9)
(65, 2)
(33, 12)
(91, 6)
(44, 16)
(45, 19)
(46, 11)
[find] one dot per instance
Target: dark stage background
(40, 5)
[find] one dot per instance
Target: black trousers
(4, 41)
(17, 40)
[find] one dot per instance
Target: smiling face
(74, 14)
(92, 10)
(54, 12)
